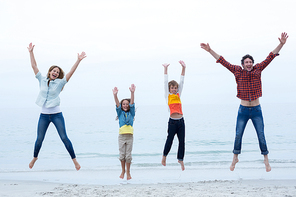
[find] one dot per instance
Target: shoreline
(11, 188)
(163, 181)
(147, 175)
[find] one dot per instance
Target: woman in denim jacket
(48, 99)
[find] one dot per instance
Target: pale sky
(126, 41)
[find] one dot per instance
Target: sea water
(210, 132)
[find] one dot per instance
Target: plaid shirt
(248, 82)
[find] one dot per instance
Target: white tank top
(50, 110)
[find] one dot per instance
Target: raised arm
(183, 67)
(80, 57)
(32, 58)
(283, 39)
(165, 66)
(132, 89)
(208, 49)
(180, 88)
(115, 91)
(166, 87)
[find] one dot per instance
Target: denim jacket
(49, 94)
(126, 118)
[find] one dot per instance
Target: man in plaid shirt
(249, 89)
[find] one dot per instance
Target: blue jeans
(175, 127)
(59, 123)
(244, 114)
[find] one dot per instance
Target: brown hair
(127, 99)
(173, 83)
(61, 75)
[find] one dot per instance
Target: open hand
(182, 63)
(132, 88)
(284, 37)
(82, 55)
(165, 65)
(31, 47)
(115, 90)
(205, 46)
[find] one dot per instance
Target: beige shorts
(125, 142)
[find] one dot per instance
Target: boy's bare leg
(163, 161)
(31, 164)
(122, 169)
(234, 161)
(128, 171)
(182, 165)
(77, 165)
(266, 162)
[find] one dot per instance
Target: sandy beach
(266, 188)
(160, 182)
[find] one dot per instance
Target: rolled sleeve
(132, 109)
(38, 76)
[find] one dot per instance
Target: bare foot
(163, 161)
(267, 166)
(128, 175)
(266, 162)
(234, 161)
(122, 175)
(182, 165)
(31, 164)
(77, 166)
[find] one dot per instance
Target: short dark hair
(245, 57)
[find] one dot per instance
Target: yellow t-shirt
(126, 129)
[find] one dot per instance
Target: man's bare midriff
(176, 116)
(250, 103)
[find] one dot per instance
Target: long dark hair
(129, 101)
